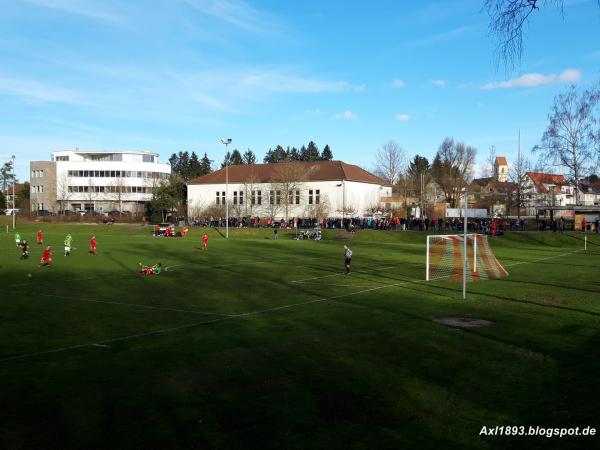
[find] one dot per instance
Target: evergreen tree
(280, 154)
(302, 153)
(268, 156)
(205, 165)
(233, 159)
(311, 153)
(195, 166)
(184, 165)
(294, 154)
(249, 157)
(326, 155)
(174, 162)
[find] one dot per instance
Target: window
(297, 197)
(259, 197)
(271, 197)
(278, 197)
(218, 198)
(241, 197)
(148, 158)
(290, 197)
(62, 158)
(310, 197)
(235, 198)
(317, 196)
(223, 197)
(253, 198)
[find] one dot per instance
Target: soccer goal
(446, 258)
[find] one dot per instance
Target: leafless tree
(251, 184)
(287, 179)
(572, 139)
(452, 168)
(390, 162)
(488, 169)
(118, 189)
(62, 192)
(507, 19)
(319, 210)
(518, 175)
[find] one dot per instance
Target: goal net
(445, 258)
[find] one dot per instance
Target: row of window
(116, 174)
(112, 189)
(314, 197)
(37, 173)
(37, 189)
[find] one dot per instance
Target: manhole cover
(464, 322)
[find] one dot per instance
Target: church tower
(500, 169)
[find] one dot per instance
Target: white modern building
(288, 189)
(95, 181)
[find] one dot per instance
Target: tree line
(569, 146)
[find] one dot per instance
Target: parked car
(11, 211)
(43, 212)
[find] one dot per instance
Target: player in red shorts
(204, 242)
(40, 237)
(92, 249)
(46, 257)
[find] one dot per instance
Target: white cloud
(83, 8)
(237, 13)
(36, 91)
(398, 84)
(536, 79)
(438, 83)
(402, 117)
(346, 115)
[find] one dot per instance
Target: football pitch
(263, 343)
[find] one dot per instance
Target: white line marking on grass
(542, 259)
(136, 305)
(235, 316)
(343, 273)
(318, 278)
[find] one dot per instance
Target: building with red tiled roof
(547, 189)
(288, 189)
(501, 169)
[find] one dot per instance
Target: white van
(11, 211)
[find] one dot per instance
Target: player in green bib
(17, 239)
(150, 270)
(68, 241)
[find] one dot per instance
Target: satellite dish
(226, 141)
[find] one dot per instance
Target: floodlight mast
(226, 142)
(14, 212)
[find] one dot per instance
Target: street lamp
(226, 142)
(13, 198)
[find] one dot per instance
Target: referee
(347, 258)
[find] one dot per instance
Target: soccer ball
(29, 276)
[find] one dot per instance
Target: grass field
(260, 343)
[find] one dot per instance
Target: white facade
(96, 181)
(308, 199)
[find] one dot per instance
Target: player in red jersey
(40, 237)
(46, 257)
(204, 242)
(92, 249)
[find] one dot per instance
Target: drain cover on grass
(464, 322)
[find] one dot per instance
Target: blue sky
(171, 75)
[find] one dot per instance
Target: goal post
(461, 258)
(454, 238)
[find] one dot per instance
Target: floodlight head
(226, 141)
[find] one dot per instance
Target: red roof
(501, 160)
(311, 170)
(541, 179)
